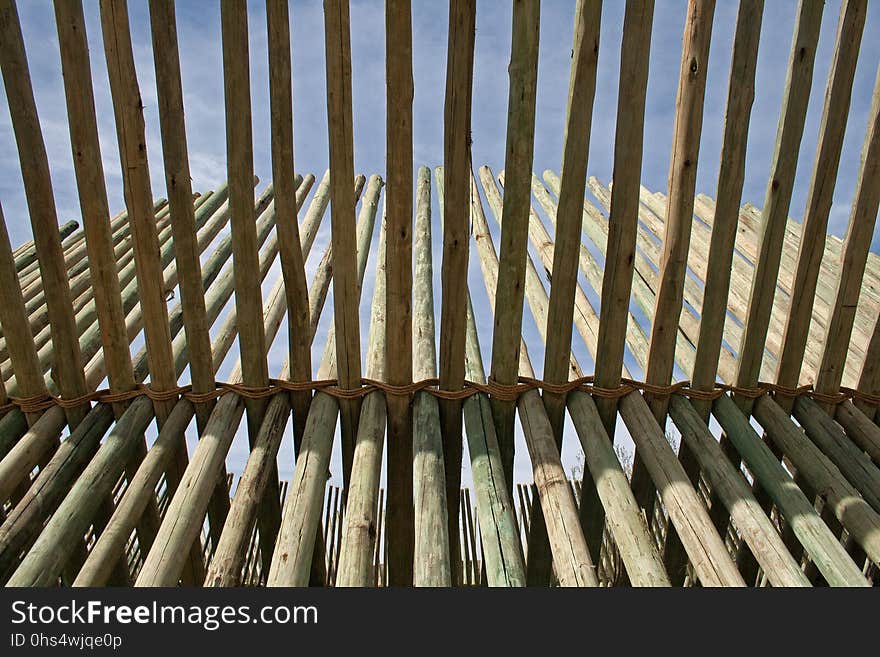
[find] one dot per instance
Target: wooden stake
(518, 156)
(345, 286)
(399, 361)
(292, 263)
(454, 266)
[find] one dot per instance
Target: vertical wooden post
(560, 313)
(130, 130)
(399, 274)
(67, 366)
(676, 245)
(177, 179)
(240, 165)
(93, 195)
(454, 266)
(518, 156)
(623, 217)
(731, 175)
(345, 288)
(292, 263)
(502, 548)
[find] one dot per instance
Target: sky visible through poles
(201, 58)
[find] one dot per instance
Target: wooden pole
(292, 262)
(67, 367)
(854, 257)
(28, 375)
(712, 564)
(820, 544)
(779, 190)
(130, 128)
(518, 156)
(623, 218)
(93, 195)
(431, 561)
(847, 505)
(731, 489)
(502, 551)
(226, 565)
(731, 176)
(454, 265)
(169, 86)
(112, 541)
(292, 558)
(676, 244)
(560, 312)
(399, 204)
(342, 216)
(358, 533)
(820, 195)
(571, 557)
(240, 163)
(831, 440)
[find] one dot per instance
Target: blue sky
(199, 32)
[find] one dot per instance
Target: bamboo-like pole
(820, 544)
(854, 257)
(820, 195)
(623, 218)
(186, 512)
(502, 549)
(863, 431)
(869, 378)
(292, 558)
(454, 265)
(67, 365)
(25, 521)
(358, 532)
(44, 561)
(648, 257)
(26, 254)
(731, 176)
(518, 156)
(292, 261)
(337, 38)
(640, 556)
(399, 272)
